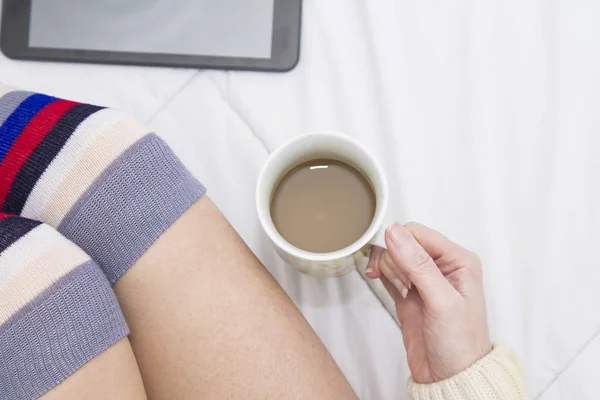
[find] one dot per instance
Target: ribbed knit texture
(97, 175)
(497, 376)
(57, 309)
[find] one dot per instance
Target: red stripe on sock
(5, 215)
(28, 139)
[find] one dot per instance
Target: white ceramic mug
(314, 146)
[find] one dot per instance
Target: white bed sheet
(484, 115)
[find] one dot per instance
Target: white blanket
(484, 115)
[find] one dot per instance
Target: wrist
(471, 353)
(496, 376)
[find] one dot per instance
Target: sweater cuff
(497, 376)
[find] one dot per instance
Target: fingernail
(397, 234)
(368, 270)
(401, 288)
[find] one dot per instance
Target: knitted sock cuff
(497, 376)
(130, 204)
(97, 175)
(57, 309)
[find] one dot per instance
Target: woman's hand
(444, 324)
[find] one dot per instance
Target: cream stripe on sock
(69, 155)
(38, 275)
(98, 156)
(29, 247)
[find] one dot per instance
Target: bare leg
(208, 321)
(112, 374)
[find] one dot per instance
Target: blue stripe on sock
(14, 124)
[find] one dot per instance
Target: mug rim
(274, 235)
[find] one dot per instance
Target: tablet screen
(227, 28)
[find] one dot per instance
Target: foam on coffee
(322, 205)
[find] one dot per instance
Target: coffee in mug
(323, 205)
(323, 220)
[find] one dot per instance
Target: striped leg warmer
(95, 174)
(57, 309)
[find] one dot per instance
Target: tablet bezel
(285, 47)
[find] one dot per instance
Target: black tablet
(232, 34)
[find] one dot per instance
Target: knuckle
(438, 308)
(421, 258)
(420, 262)
(478, 271)
(474, 258)
(474, 265)
(444, 307)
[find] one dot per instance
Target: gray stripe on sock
(130, 204)
(9, 103)
(64, 327)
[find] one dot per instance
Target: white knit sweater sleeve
(497, 376)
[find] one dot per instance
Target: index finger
(415, 262)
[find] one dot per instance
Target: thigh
(113, 374)
(208, 321)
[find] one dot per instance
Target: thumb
(414, 262)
